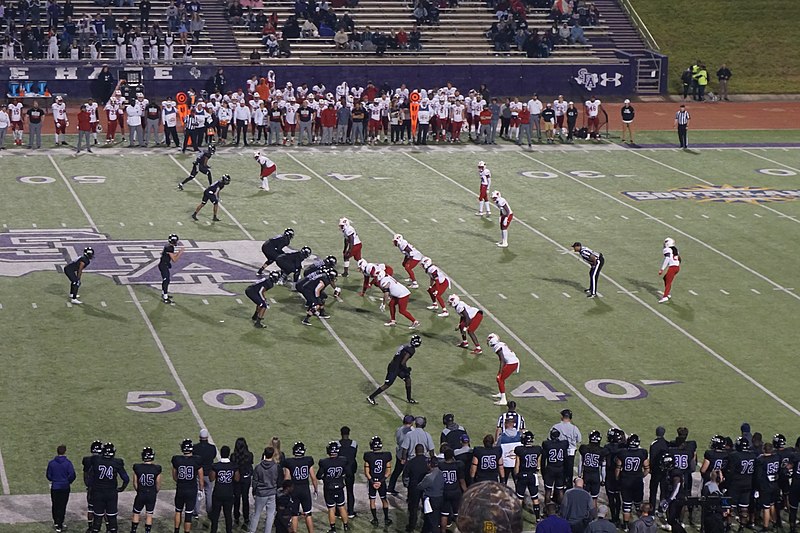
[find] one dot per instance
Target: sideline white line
(784, 165)
(233, 219)
(652, 309)
(578, 394)
(687, 174)
(3, 476)
(74, 194)
(658, 220)
(168, 360)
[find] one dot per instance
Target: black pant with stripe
(594, 274)
(683, 135)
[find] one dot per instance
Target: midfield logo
(717, 193)
(203, 269)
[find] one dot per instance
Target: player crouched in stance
(331, 471)
(352, 245)
(509, 364)
(74, 271)
(147, 483)
(670, 267)
(168, 256)
(312, 287)
(256, 293)
(200, 164)
(410, 261)
(273, 247)
(370, 272)
(398, 296)
(211, 194)
(268, 168)
(398, 368)
(291, 263)
(506, 216)
(377, 467)
(470, 319)
(439, 285)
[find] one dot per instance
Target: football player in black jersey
(398, 368)
(715, 458)
(187, 471)
(527, 464)
(766, 470)
(291, 263)
(487, 462)
(675, 493)
(74, 271)
(201, 164)
(331, 471)
(105, 470)
(256, 293)
(455, 485)
(616, 439)
(274, 246)
(319, 264)
(95, 448)
(224, 475)
(312, 287)
(211, 194)
(452, 432)
(377, 466)
(739, 478)
(147, 483)
(593, 464)
(554, 451)
(631, 467)
(786, 454)
(168, 256)
(300, 470)
(794, 489)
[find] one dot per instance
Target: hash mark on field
(757, 215)
(321, 221)
(1, 306)
(151, 223)
(69, 304)
(704, 216)
(679, 217)
(405, 220)
(122, 224)
(63, 225)
(693, 293)
(5, 226)
(623, 216)
(569, 217)
(731, 215)
(723, 291)
(434, 221)
(205, 302)
(103, 304)
(239, 301)
(34, 225)
(208, 222)
(34, 306)
(534, 295)
(755, 291)
(265, 222)
(502, 296)
(294, 222)
(459, 219)
(597, 217)
(566, 295)
(543, 218)
(179, 223)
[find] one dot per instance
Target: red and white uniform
(93, 120)
(113, 112)
(442, 110)
(471, 317)
(506, 215)
(290, 118)
(267, 165)
(371, 271)
(456, 120)
(398, 297)
(439, 285)
(411, 259)
(486, 182)
(670, 267)
(509, 364)
(375, 114)
(352, 243)
(515, 108)
(592, 111)
(60, 117)
(560, 107)
(15, 114)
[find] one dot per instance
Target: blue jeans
(262, 503)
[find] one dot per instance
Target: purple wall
(574, 81)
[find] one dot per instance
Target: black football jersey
(87, 469)
(186, 468)
(554, 452)
(740, 469)
(377, 462)
(717, 460)
(592, 459)
(215, 187)
(225, 474)
(265, 284)
(528, 458)
(332, 470)
(682, 458)
(166, 260)
(766, 470)
(74, 266)
(631, 462)
(104, 472)
(489, 461)
(278, 242)
(146, 475)
(400, 354)
(452, 473)
(299, 469)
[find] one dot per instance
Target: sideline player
(377, 467)
(96, 448)
(273, 247)
(527, 464)
(411, 259)
(439, 285)
(470, 319)
(200, 165)
(398, 295)
(331, 471)
(485, 176)
(74, 271)
(506, 216)
(187, 471)
(670, 267)
(596, 262)
(147, 483)
(593, 464)
(256, 294)
(509, 364)
(211, 194)
(398, 368)
(168, 256)
(268, 167)
(631, 467)
(60, 120)
(627, 114)
(352, 244)
(105, 470)
(15, 115)
(300, 470)
(560, 106)
(592, 106)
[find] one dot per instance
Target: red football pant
(61, 127)
(668, 277)
(504, 374)
(436, 291)
(266, 171)
(483, 195)
(505, 221)
(355, 253)
(409, 265)
(111, 129)
(402, 303)
(473, 324)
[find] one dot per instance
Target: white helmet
(481, 164)
(669, 242)
(454, 300)
(343, 222)
(397, 238)
(362, 264)
(426, 262)
(380, 275)
(256, 154)
(492, 339)
(495, 195)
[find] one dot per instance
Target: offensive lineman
(200, 164)
(211, 194)
(268, 167)
(377, 466)
(506, 216)
(312, 288)
(291, 263)
(74, 271)
(485, 176)
(105, 470)
(168, 256)
(398, 368)
(187, 471)
(274, 247)
(509, 364)
(147, 483)
(470, 319)
(256, 294)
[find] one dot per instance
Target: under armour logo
(604, 79)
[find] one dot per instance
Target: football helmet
(289, 232)
(528, 438)
(256, 154)
(380, 275)
(667, 462)
(779, 441)
(454, 300)
(332, 273)
(492, 339)
(148, 454)
(481, 164)
(426, 263)
(275, 276)
(88, 252)
(742, 444)
(109, 451)
(595, 437)
(615, 435)
(96, 447)
(362, 265)
(332, 448)
(187, 446)
(555, 434)
(343, 222)
(375, 443)
(669, 242)
(226, 179)
(416, 341)
(717, 442)
(330, 261)
(212, 148)
(298, 449)
(448, 418)
(495, 195)
(173, 239)
(397, 238)
(305, 251)
(633, 441)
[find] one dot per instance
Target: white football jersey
(349, 231)
(15, 112)
(393, 287)
(462, 308)
(265, 161)
(503, 206)
(592, 108)
(505, 353)
(59, 111)
(486, 177)
(560, 108)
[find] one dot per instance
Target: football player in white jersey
(439, 285)
(290, 120)
(15, 117)
(485, 176)
(506, 216)
(352, 244)
(91, 108)
(268, 167)
(60, 119)
(397, 295)
(509, 364)
(592, 106)
(670, 267)
(560, 106)
(410, 261)
(470, 319)
(513, 131)
(457, 116)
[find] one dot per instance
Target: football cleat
(75, 301)
(443, 313)
(371, 401)
(414, 325)
(433, 307)
(413, 285)
(502, 244)
(391, 323)
(477, 351)
(194, 216)
(463, 344)
(180, 186)
(663, 299)
(411, 401)
(148, 454)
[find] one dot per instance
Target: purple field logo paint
(719, 193)
(203, 269)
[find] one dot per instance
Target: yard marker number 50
(159, 401)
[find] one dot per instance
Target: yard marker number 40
(615, 389)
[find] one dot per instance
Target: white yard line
(649, 307)
(4, 476)
(74, 194)
(651, 217)
(578, 394)
(784, 165)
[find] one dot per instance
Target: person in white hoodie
(135, 111)
(5, 122)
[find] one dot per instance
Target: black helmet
(108, 450)
(742, 444)
(375, 443)
(717, 442)
(298, 449)
(633, 441)
(332, 448)
(88, 252)
(332, 273)
(289, 232)
(96, 447)
(615, 435)
(226, 179)
(528, 438)
(595, 437)
(212, 148)
(148, 454)
(447, 418)
(187, 446)
(416, 341)
(173, 238)
(779, 441)
(330, 261)
(305, 251)
(555, 434)
(667, 462)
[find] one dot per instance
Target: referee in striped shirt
(596, 262)
(682, 119)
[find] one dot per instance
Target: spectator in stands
(301, 9)
(110, 23)
(235, 12)
(309, 29)
(196, 27)
(414, 39)
(183, 32)
(266, 31)
(563, 33)
(576, 35)
(325, 30)
(284, 47)
(341, 39)
(594, 15)
(402, 39)
(380, 41)
(144, 13)
(171, 14)
(420, 12)
(272, 45)
(347, 22)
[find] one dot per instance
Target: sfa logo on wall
(716, 193)
(590, 80)
(204, 268)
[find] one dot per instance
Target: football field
(126, 368)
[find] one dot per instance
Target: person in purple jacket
(60, 474)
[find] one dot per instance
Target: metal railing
(639, 24)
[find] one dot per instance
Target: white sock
(264, 183)
(56, 138)
(504, 235)
(480, 209)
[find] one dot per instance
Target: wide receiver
(509, 364)
(352, 245)
(268, 168)
(506, 216)
(439, 285)
(670, 267)
(470, 319)
(485, 176)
